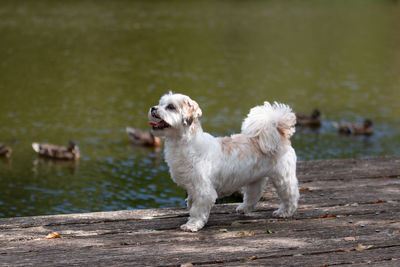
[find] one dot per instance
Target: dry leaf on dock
(361, 247)
(53, 235)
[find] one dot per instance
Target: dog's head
(176, 114)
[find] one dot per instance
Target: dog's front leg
(201, 203)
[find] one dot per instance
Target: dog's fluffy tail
(270, 124)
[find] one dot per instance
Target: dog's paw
(240, 209)
(282, 213)
(193, 225)
(189, 227)
(243, 209)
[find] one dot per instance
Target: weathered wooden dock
(349, 215)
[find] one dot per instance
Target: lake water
(85, 70)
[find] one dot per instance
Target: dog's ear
(191, 111)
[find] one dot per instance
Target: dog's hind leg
(251, 195)
(283, 176)
(288, 192)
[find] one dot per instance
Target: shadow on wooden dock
(349, 214)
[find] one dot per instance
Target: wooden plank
(220, 247)
(343, 192)
(222, 216)
(312, 217)
(337, 212)
(377, 256)
(345, 169)
(287, 234)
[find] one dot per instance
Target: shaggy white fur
(209, 167)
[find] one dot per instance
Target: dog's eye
(171, 107)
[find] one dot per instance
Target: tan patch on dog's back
(241, 145)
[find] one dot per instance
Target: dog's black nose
(153, 109)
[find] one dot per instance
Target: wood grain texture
(343, 203)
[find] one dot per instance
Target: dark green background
(84, 70)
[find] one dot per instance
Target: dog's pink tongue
(153, 123)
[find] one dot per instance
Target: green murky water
(84, 70)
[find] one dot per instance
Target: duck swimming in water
(310, 121)
(70, 152)
(5, 151)
(143, 138)
(355, 129)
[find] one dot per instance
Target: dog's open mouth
(159, 125)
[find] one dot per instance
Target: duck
(5, 151)
(70, 152)
(354, 128)
(312, 121)
(143, 138)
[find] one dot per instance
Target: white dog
(209, 167)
